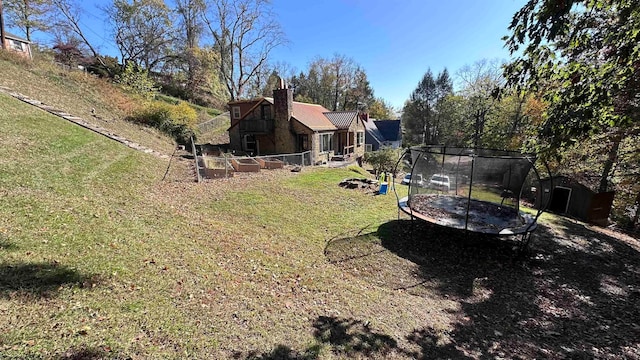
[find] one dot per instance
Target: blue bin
(384, 187)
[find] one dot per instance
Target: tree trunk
(612, 156)
(637, 215)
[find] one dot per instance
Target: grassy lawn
(99, 258)
(78, 93)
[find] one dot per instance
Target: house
(279, 125)
(17, 44)
(566, 196)
(381, 133)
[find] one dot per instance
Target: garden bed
(270, 163)
(245, 165)
(217, 168)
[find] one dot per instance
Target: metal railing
(211, 167)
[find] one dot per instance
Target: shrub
(137, 81)
(105, 67)
(179, 121)
(382, 160)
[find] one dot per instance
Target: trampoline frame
(524, 231)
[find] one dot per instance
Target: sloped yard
(99, 258)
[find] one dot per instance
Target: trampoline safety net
(478, 190)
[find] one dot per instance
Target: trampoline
(471, 189)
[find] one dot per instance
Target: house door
(560, 200)
(341, 144)
(303, 142)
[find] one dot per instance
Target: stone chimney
(285, 141)
(283, 103)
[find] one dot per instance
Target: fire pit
(476, 190)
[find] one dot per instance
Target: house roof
(372, 129)
(390, 129)
(15, 37)
(341, 119)
(310, 115)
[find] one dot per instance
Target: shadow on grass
(84, 353)
(75, 353)
(574, 296)
(28, 281)
(349, 338)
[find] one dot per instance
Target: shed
(566, 196)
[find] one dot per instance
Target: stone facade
(285, 138)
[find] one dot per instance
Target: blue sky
(397, 41)
(394, 41)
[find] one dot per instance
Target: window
(360, 138)
(326, 142)
(16, 45)
(235, 111)
(249, 143)
(265, 112)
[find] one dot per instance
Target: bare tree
(190, 22)
(244, 33)
(189, 12)
(68, 14)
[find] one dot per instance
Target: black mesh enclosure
(477, 190)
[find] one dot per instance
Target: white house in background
(17, 44)
(381, 133)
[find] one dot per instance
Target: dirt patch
(365, 185)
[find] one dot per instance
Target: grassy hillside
(99, 258)
(96, 254)
(78, 93)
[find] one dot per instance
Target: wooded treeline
(571, 94)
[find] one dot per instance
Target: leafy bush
(382, 160)
(105, 67)
(137, 81)
(179, 121)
